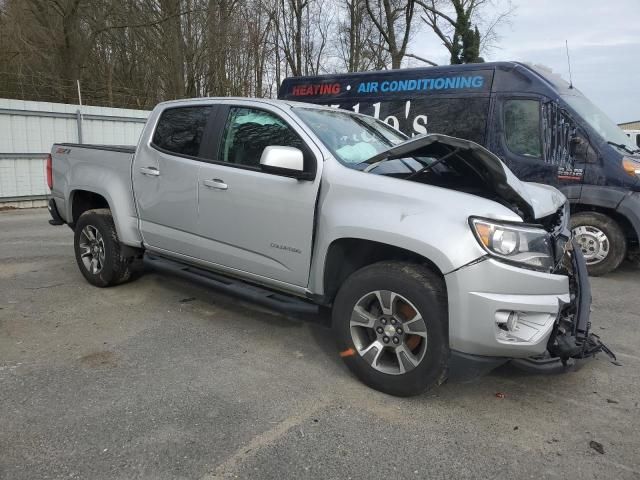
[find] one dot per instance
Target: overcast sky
(604, 45)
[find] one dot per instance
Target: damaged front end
(465, 166)
(571, 340)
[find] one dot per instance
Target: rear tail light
(49, 171)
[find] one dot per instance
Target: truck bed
(105, 170)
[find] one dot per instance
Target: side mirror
(574, 142)
(286, 161)
(577, 146)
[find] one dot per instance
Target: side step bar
(260, 295)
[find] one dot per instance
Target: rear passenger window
(522, 127)
(180, 130)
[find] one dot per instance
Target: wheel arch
(624, 223)
(88, 198)
(83, 200)
(346, 255)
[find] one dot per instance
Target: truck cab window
(180, 130)
(249, 131)
(522, 127)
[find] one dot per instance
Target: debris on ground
(597, 446)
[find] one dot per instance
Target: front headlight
(523, 245)
(631, 167)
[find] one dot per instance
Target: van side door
(255, 223)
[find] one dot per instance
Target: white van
(634, 135)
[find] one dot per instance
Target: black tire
(116, 267)
(426, 291)
(615, 240)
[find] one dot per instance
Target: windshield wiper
(622, 146)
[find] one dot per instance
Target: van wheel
(390, 321)
(601, 240)
(98, 250)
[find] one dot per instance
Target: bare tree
(361, 46)
(393, 19)
(135, 53)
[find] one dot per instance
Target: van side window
(180, 130)
(522, 127)
(249, 131)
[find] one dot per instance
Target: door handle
(215, 183)
(151, 171)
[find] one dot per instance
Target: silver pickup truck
(435, 259)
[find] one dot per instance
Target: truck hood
(531, 200)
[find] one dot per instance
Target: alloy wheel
(388, 332)
(92, 251)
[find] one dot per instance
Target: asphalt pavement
(163, 378)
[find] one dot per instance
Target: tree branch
(429, 62)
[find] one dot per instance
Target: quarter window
(249, 131)
(180, 130)
(522, 127)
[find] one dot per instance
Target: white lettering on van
(376, 110)
(420, 124)
(393, 121)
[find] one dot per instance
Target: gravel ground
(162, 378)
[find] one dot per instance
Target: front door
(540, 143)
(519, 141)
(256, 222)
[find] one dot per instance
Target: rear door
(165, 179)
(254, 222)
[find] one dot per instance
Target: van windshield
(599, 121)
(351, 138)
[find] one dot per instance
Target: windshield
(351, 138)
(599, 121)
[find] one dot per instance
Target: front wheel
(601, 240)
(390, 323)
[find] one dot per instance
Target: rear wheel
(390, 323)
(601, 240)
(99, 253)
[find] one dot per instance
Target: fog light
(512, 321)
(517, 326)
(508, 321)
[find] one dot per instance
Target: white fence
(28, 129)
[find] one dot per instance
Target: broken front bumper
(571, 339)
(552, 320)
